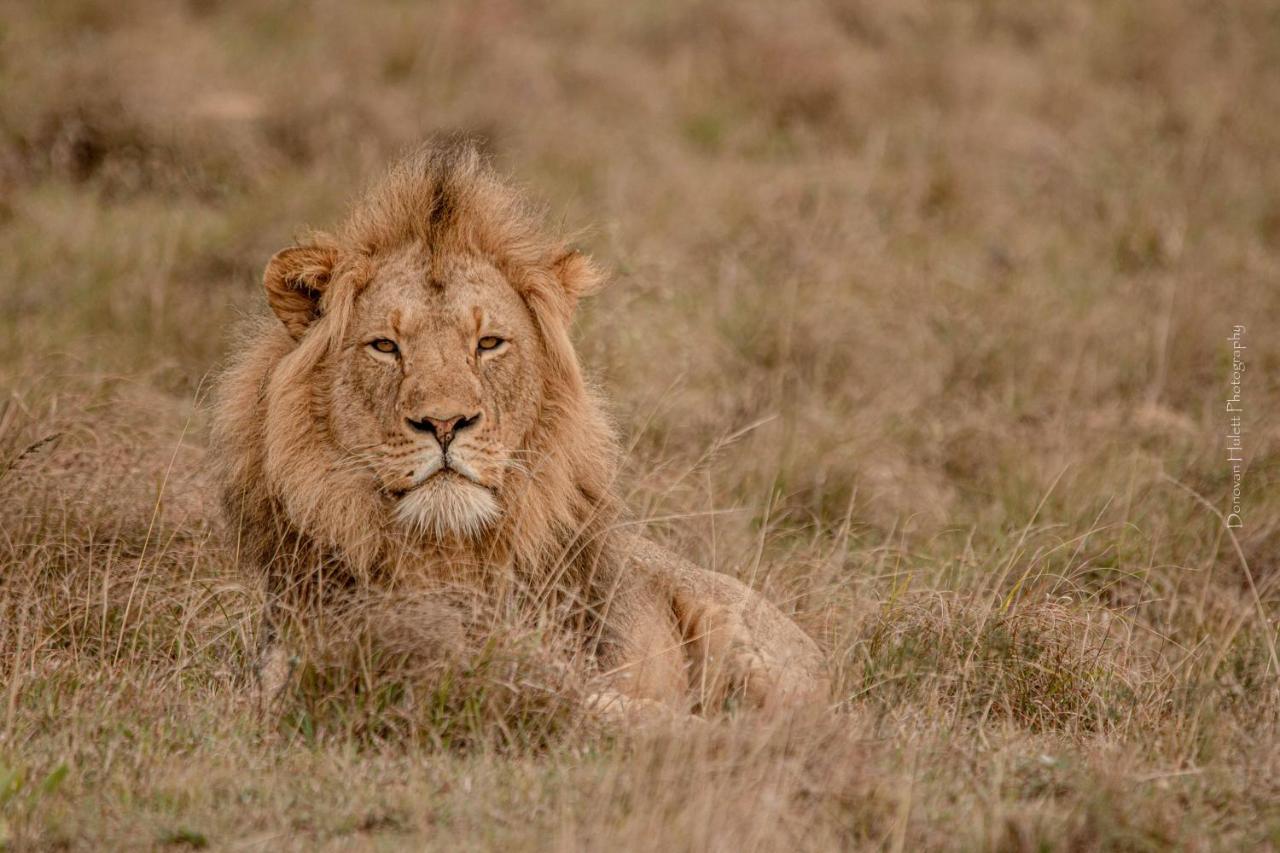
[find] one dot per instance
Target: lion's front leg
(272, 673)
(275, 663)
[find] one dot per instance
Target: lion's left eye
(489, 343)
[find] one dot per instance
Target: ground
(919, 323)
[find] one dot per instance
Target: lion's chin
(448, 505)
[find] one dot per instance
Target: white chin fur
(448, 505)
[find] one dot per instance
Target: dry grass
(918, 323)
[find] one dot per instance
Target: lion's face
(435, 387)
(427, 383)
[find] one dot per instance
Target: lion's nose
(444, 429)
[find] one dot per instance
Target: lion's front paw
(274, 670)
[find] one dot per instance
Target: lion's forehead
(418, 292)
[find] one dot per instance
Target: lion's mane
(299, 512)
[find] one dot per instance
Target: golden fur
(367, 438)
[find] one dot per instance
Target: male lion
(419, 416)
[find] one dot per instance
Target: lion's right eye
(384, 345)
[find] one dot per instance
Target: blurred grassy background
(918, 321)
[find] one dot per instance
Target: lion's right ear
(295, 280)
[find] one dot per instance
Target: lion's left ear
(295, 279)
(579, 276)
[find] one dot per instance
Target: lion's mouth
(441, 476)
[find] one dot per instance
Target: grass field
(918, 322)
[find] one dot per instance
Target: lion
(415, 414)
